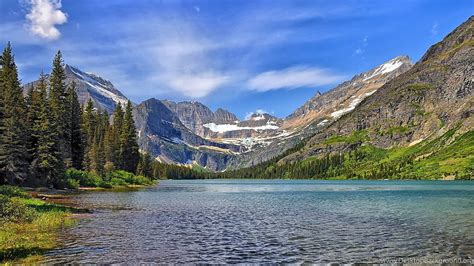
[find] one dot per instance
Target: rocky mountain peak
(343, 98)
(461, 36)
(102, 92)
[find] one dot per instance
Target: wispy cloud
(198, 85)
(163, 54)
(293, 77)
(434, 29)
(363, 46)
(43, 17)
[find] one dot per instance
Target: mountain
(322, 110)
(162, 133)
(346, 96)
(194, 115)
(102, 92)
(191, 133)
(418, 116)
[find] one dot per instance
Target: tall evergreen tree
(99, 139)
(59, 106)
(145, 165)
(74, 118)
(3, 139)
(13, 153)
(129, 152)
(47, 164)
(33, 109)
(113, 137)
(88, 131)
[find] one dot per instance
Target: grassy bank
(29, 226)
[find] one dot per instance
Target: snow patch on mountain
(388, 67)
(221, 128)
(251, 142)
(94, 82)
(322, 123)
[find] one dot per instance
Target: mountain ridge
(420, 106)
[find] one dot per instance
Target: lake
(274, 221)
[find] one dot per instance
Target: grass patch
(400, 130)
(28, 226)
(432, 159)
(419, 86)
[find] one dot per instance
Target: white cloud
(293, 77)
(43, 17)
(198, 85)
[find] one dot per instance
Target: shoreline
(26, 241)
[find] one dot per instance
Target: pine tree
(99, 155)
(59, 106)
(3, 140)
(113, 145)
(13, 153)
(88, 131)
(74, 126)
(129, 152)
(145, 167)
(33, 109)
(47, 164)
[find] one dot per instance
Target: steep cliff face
(162, 134)
(194, 115)
(434, 96)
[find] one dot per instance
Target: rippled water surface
(232, 221)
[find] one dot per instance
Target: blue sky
(239, 55)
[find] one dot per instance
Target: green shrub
(122, 178)
(12, 191)
(72, 183)
(12, 210)
(76, 178)
(86, 179)
(117, 182)
(105, 185)
(140, 180)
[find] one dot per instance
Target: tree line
(47, 131)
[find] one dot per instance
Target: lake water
(268, 221)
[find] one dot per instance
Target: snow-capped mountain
(90, 86)
(102, 92)
(345, 97)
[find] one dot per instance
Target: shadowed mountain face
(165, 137)
(434, 96)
